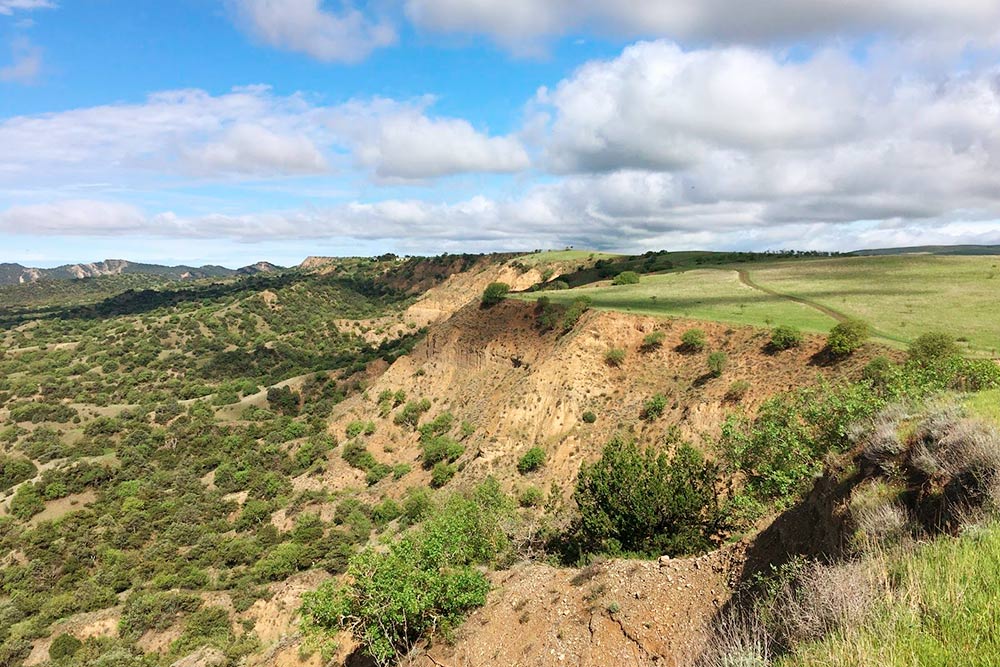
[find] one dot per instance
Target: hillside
(186, 464)
(13, 274)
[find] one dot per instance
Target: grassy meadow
(901, 296)
(708, 294)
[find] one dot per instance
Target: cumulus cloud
(306, 27)
(8, 7)
(520, 23)
(254, 149)
(26, 63)
(249, 132)
(400, 141)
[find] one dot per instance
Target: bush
(614, 357)
(717, 363)
(441, 474)
(737, 390)
(646, 501)
(693, 340)
(532, 460)
(626, 278)
(589, 417)
(574, 312)
(494, 294)
(64, 646)
(785, 337)
(356, 428)
(532, 496)
(653, 341)
(410, 414)
(932, 347)
(654, 407)
(422, 584)
(440, 448)
(14, 470)
(848, 337)
(26, 503)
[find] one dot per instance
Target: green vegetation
(933, 347)
(626, 278)
(588, 417)
(785, 337)
(717, 363)
(847, 337)
(532, 460)
(423, 584)
(653, 408)
(693, 340)
(653, 341)
(494, 294)
(647, 502)
(614, 357)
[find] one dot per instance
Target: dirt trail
(830, 312)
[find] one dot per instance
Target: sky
(231, 131)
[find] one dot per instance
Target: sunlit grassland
(944, 609)
(902, 296)
(699, 294)
(550, 256)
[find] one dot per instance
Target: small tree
(494, 294)
(647, 501)
(848, 336)
(785, 337)
(626, 278)
(717, 363)
(64, 646)
(933, 346)
(693, 340)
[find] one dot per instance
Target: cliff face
(12, 274)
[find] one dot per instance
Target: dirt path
(829, 312)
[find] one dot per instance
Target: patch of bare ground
(618, 612)
(56, 509)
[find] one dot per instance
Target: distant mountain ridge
(12, 274)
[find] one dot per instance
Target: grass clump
(653, 408)
(693, 340)
(717, 363)
(614, 357)
(653, 341)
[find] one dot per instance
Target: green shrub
(653, 408)
(626, 278)
(589, 417)
(14, 470)
(693, 340)
(648, 501)
(531, 496)
(440, 448)
(356, 428)
(64, 646)
(532, 460)
(494, 294)
(785, 337)
(411, 412)
(653, 341)
(737, 390)
(441, 474)
(574, 312)
(26, 502)
(614, 357)
(933, 346)
(847, 337)
(717, 363)
(422, 584)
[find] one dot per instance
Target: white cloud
(26, 62)
(8, 7)
(249, 132)
(253, 149)
(401, 142)
(306, 27)
(521, 23)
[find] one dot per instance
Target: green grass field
(550, 256)
(699, 294)
(901, 296)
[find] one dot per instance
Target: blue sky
(226, 131)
